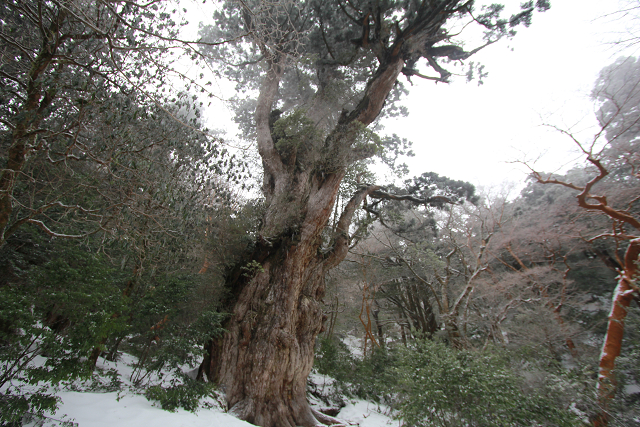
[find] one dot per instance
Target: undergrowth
(431, 384)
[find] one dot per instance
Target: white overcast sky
(542, 76)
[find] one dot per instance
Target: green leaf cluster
(439, 386)
(185, 393)
(49, 324)
(295, 132)
(170, 327)
(431, 384)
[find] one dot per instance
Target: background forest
(129, 231)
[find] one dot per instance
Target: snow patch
(568, 362)
(128, 409)
(114, 409)
(366, 414)
(630, 389)
(354, 345)
(593, 303)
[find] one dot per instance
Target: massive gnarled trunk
(267, 353)
(264, 359)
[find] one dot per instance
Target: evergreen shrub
(50, 321)
(183, 393)
(431, 384)
(372, 378)
(440, 386)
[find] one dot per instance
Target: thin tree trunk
(376, 318)
(622, 297)
(126, 293)
(403, 321)
(334, 317)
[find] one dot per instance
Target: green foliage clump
(430, 384)
(367, 142)
(294, 132)
(333, 358)
(252, 268)
(13, 408)
(439, 386)
(49, 325)
(168, 331)
(185, 393)
(372, 378)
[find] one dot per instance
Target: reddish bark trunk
(622, 297)
(267, 353)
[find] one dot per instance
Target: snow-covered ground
(366, 414)
(106, 410)
(357, 412)
(128, 409)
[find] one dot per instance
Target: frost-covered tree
(83, 94)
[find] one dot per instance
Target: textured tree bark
(264, 359)
(267, 353)
(622, 297)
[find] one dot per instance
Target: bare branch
(52, 233)
(379, 194)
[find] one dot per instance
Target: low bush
(183, 393)
(439, 386)
(431, 384)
